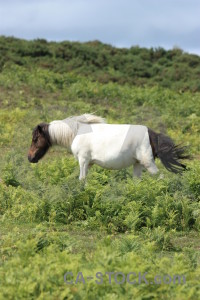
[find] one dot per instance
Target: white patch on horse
(113, 146)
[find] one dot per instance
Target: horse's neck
(61, 134)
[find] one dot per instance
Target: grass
(51, 223)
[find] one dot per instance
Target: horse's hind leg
(145, 157)
(137, 169)
(152, 168)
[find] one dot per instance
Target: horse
(112, 146)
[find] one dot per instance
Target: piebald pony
(111, 146)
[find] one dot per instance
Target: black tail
(170, 154)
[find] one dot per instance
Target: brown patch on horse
(40, 142)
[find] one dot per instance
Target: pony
(112, 146)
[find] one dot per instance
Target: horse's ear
(40, 129)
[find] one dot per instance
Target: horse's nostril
(32, 159)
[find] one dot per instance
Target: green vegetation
(50, 222)
(173, 69)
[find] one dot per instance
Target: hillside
(138, 66)
(50, 223)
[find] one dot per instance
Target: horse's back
(120, 134)
(112, 133)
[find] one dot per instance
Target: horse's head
(40, 142)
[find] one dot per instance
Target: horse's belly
(118, 161)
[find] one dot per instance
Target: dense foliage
(50, 222)
(174, 68)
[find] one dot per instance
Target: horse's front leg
(83, 163)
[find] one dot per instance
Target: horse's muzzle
(32, 159)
